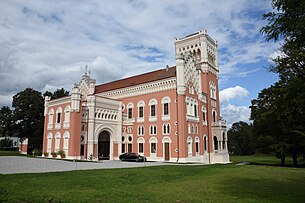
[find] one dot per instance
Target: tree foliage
(6, 143)
(57, 93)
(241, 139)
(279, 110)
(6, 121)
(28, 113)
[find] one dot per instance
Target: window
(67, 114)
(152, 148)
(189, 145)
(51, 113)
(197, 129)
(141, 148)
(129, 147)
(204, 113)
(153, 129)
(166, 129)
(205, 143)
(165, 109)
(223, 140)
(215, 143)
(153, 145)
(123, 148)
(129, 113)
(58, 117)
(193, 129)
(189, 128)
(141, 130)
(197, 147)
(129, 110)
(153, 110)
(195, 110)
(141, 114)
(129, 129)
(214, 116)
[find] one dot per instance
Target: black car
(132, 157)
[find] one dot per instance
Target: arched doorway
(104, 146)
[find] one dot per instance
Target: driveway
(18, 164)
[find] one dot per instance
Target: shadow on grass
(278, 165)
(265, 189)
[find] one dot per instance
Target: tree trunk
(294, 158)
(283, 160)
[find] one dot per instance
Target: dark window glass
(152, 147)
(130, 113)
(165, 110)
(153, 110)
(141, 112)
(141, 148)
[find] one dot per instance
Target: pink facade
(171, 114)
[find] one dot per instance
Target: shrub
(61, 153)
(45, 154)
(54, 154)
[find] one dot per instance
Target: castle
(171, 114)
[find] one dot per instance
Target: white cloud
(47, 43)
(233, 113)
(232, 93)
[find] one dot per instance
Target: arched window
(205, 143)
(58, 118)
(66, 142)
(214, 116)
(153, 145)
(153, 130)
(166, 129)
(189, 145)
(204, 111)
(58, 115)
(223, 140)
(51, 117)
(140, 106)
(57, 141)
(141, 142)
(49, 142)
(153, 109)
(129, 110)
(215, 143)
(165, 108)
(197, 145)
(67, 117)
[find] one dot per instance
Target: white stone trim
(142, 89)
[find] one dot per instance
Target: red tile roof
(136, 80)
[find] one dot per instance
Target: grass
(10, 153)
(178, 183)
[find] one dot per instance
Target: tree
(6, 143)
(241, 140)
(6, 122)
(28, 114)
(279, 111)
(57, 93)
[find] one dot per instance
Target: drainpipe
(178, 144)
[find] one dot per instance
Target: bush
(45, 154)
(61, 153)
(6, 143)
(54, 154)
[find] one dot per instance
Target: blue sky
(46, 44)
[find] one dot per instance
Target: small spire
(86, 69)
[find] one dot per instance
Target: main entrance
(104, 146)
(166, 149)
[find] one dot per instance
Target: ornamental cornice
(59, 101)
(146, 88)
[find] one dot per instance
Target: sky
(46, 45)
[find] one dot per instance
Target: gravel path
(18, 164)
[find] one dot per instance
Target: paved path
(18, 164)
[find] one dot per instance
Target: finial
(86, 69)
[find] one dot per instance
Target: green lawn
(10, 153)
(178, 183)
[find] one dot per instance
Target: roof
(137, 80)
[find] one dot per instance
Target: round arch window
(129, 138)
(123, 138)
